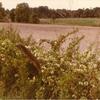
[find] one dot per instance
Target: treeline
(26, 14)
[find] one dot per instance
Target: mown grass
(73, 21)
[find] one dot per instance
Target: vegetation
(73, 21)
(2, 13)
(64, 73)
(24, 13)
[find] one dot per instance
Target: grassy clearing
(73, 21)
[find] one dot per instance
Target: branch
(30, 56)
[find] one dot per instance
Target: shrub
(70, 74)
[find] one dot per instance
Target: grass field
(73, 21)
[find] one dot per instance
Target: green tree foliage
(22, 12)
(26, 14)
(97, 12)
(2, 12)
(34, 18)
(43, 11)
(12, 15)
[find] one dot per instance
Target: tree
(86, 13)
(53, 15)
(79, 13)
(34, 18)
(22, 12)
(97, 12)
(2, 12)
(43, 12)
(12, 15)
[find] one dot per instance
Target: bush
(70, 74)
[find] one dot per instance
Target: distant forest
(26, 14)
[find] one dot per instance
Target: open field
(73, 21)
(39, 31)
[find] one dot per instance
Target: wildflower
(5, 42)
(42, 70)
(80, 83)
(86, 83)
(99, 59)
(16, 75)
(52, 72)
(2, 56)
(3, 59)
(28, 47)
(93, 86)
(95, 66)
(78, 70)
(74, 96)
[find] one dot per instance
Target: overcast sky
(68, 4)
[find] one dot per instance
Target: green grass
(73, 21)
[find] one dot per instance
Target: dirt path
(92, 34)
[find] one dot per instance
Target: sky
(55, 4)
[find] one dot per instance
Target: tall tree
(22, 12)
(43, 11)
(34, 18)
(12, 15)
(97, 12)
(2, 12)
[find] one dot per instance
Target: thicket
(65, 73)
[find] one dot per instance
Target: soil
(44, 31)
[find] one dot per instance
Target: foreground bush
(70, 74)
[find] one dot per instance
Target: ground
(44, 31)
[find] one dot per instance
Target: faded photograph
(50, 49)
